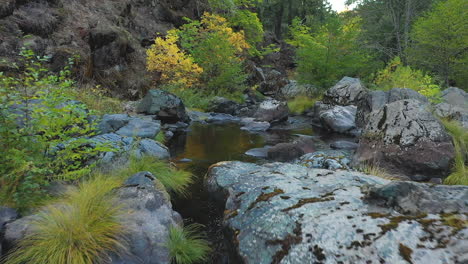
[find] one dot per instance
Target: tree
(441, 41)
(329, 53)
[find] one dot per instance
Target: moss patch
(405, 252)
(265, 197)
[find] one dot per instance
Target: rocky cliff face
(109, 37)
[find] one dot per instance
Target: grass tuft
(375, 170)
(160, 138)
(187, 245)
(459, 175)
(81, 228)
(174, 180)
(300, 104)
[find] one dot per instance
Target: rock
(272, 111)
(249, 124)
(340, 119)
(294, 89)
(223, 105)
(274, 81)
(419, 198)
(37, 19)
(168, 107)
(375, 100)
(348, 91)
(258, 152)
(7, 215)
(344, 144)
(455, 97)
(284, 213)
(140, 128)
(149, 218)
(326, 159)
(290, 151)
(123, 147)
(196, 116)
(7, 7)
(452, 112)
(112, 123)
(17, 230)
(406, 139)
(219, 118)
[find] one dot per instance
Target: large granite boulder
(340, 119)
(375, 100)
(167, 107)
(348, 91)
(407, 140)
(272, 111)
(148, 219)
(285, 213)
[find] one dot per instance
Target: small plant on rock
(459, 175)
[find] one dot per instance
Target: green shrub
(186, 245)
(81, 228)
(459, 175)
(396, 75)
(174, 180)
(300, 104)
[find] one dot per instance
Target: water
(205, 145)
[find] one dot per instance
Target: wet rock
(221, 118)
(340, 119)
(168, 107)
(258, 152)
(326, 159)
(223, 105)
(294, 89)
(285, 213)
(249, 124)
(348, 91)
(148, 220)
(140, 128)
(344, 144)
(406, 139)
(272, 111)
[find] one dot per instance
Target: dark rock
(340, 119)
(7, 7)
(17, 230)
(291, 151)
(168, 107)
(249, 124)
(274, 81)
(272, 111)
(6, 215)
(221, 118)
(284, 213)
(37, 19)
(419, 198)
(223, 105)
(258, 152)
(344, 144)
(348, 91)
(406, 139)
(326, 159)
(149, 218)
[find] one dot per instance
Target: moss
(377, 215)
(286, 243)
(405, 252)
(228, 214)
(454, 221)
(265, 197)
(396, 220)
(305, 201)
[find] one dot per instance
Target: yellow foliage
(173, 64)
(213, 23)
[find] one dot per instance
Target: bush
(396, 75)
(81, 228)
(174, 180)
(300, 104)
(459, 175)
(186, 245)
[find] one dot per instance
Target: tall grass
(459, 175)
(187, 245)
(81, 228)
(174, 180)
(300, 104)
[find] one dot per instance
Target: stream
(206, 144)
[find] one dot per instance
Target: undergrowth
(300, 104)
(459, 175)
(81, 228)
(187, 245)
